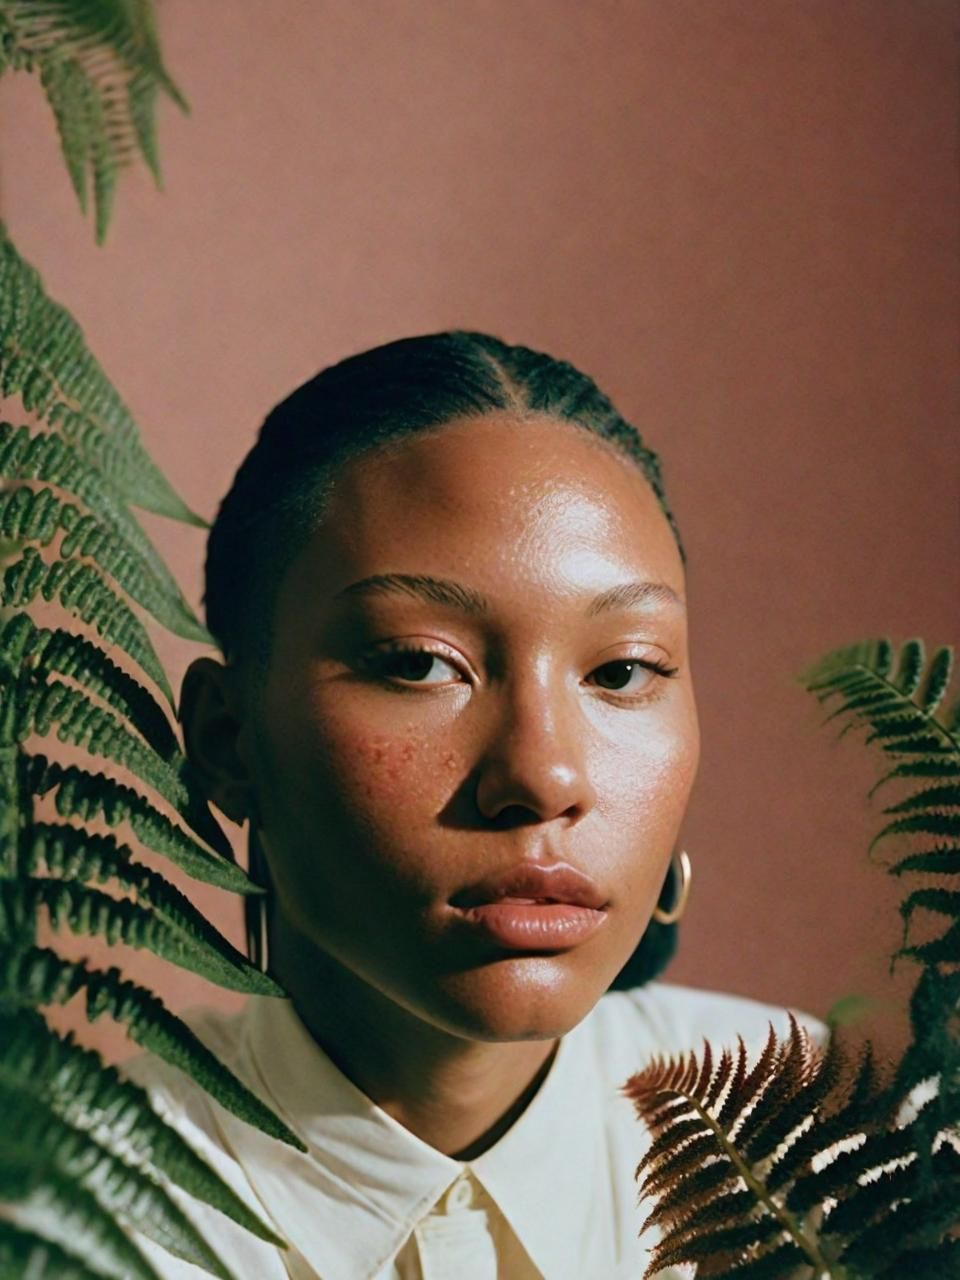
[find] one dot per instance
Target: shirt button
(460, 1195)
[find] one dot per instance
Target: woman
(457, 712)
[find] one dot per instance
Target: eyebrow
(638, 594)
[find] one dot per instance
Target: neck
(458, 1095)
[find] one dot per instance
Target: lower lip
(535, 926)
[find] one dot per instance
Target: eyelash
(375, 663)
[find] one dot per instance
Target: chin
(532, 997)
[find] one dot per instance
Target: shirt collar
(349, 1203)
(547, 1168)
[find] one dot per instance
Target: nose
(534, 767)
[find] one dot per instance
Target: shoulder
(187, 1108)
(183, 1103)
(666, 1018)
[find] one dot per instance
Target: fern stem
(786, 1219)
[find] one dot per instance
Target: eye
(412, 665)
(630, 675)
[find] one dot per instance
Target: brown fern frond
(796, 1166)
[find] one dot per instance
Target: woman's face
(445, 700)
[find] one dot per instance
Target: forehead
(514, 500)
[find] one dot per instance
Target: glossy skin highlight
(383, 783)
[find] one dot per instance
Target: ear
(212, 719)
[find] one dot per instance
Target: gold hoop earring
(683, 893)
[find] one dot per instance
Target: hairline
(311, 494)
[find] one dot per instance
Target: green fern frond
(77, 112)
(933, 1054)
(32, 976)
(11, 820)
(873, 656)
(910, 668)
(860, 675)
(97, 445)
(904, 1225)
(66, 1216)
(874, 700)
(161, 920)
(93, 1096)
(26, 454)
(941, 766)
(25, 645)
(946, 948)
(942, 1263)
(38, 705)
(29, 705)
(751, 1168)
(142, 90)
(84, 795)
(85, 28)
(100, 66)
(44, 359)
(24, 1253)
(935, 682)
(930, 824)
(900, 697)
(39, 515)
(82, 122)
(70, 853)
(903, 732)
(85, 1156)
(34, 1135)
(946, 796)
(79, 588)
(944, 860)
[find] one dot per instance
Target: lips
(532, 883)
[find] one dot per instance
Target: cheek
(644, 777)
(666, 771)
(392, 767)
(385, 779)
(341, 784)
(645, 774)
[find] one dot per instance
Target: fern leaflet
(44, 360)
(100, 66)
(92, 1097)
(31, 976)
(84, 795)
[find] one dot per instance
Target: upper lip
(558, 882)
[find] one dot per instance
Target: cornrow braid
(555, 387)
(366, 401)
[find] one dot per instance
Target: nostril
(515, 815)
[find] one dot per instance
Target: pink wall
(740, 216)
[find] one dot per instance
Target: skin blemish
(372, 749)
(392, 756)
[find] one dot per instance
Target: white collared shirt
(553, 1199)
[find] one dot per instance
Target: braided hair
(364, 402)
